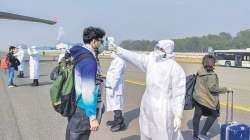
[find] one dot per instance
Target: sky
(123, 19)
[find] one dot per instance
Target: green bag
(62, 91)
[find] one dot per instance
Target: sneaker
(11, 86)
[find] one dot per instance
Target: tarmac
(26, 112)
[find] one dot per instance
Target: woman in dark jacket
(14, 63)
(206, 96)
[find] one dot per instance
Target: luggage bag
(233, 130)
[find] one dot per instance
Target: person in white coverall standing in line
(20, 57)
(62, 47)
(114, 92)
(163, 101)
(34, 65)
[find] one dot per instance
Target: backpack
(190, 83)
(5, 62)
(62, 91)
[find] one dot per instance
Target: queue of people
(162, 104)
(14, 61)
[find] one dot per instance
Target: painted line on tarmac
(135, 82)
(237, 107)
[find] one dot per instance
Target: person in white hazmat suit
(62, 47)
(34, 65)
(114, 92)
(20, 57)
(163, 101)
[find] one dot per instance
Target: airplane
(11, 16)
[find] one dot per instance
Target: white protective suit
(114, 84)
(62, 47)
(163, 101)
(20, 57)
(34, 62)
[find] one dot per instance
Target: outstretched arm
(138, 60)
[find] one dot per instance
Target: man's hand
(94, 124)
(177, 123)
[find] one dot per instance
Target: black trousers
(78, 127)
(203, 111)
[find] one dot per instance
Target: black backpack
(190, 83)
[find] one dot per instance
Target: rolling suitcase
(233, 130)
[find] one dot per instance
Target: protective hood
(61, 46)
(33, 50)
(19, 47)
(167, 46)
(20, 51)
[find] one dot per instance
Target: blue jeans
(11, 75)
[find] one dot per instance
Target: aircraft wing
(4, 15)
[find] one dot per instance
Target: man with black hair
(84, 119)
(14, 63)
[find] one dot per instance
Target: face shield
(33, 50)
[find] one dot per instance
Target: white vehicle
(233, 58)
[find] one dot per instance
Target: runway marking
(135, 82)
(237, 107)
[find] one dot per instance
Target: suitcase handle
(232, 108)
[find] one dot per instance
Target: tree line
(222, 41)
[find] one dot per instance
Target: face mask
(158, 54)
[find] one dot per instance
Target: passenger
(163, 101)
(34, 65)
(114, 92)
(84, 120)
(206, 96)
(13, 66)
(20, 57)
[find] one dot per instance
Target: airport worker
(62, 47)
(84, 120)
(20, 57)
(13, 66)
(34, 65)
(114, 92)
(163, 100)
(206, 97)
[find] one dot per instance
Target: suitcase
(233, 130)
